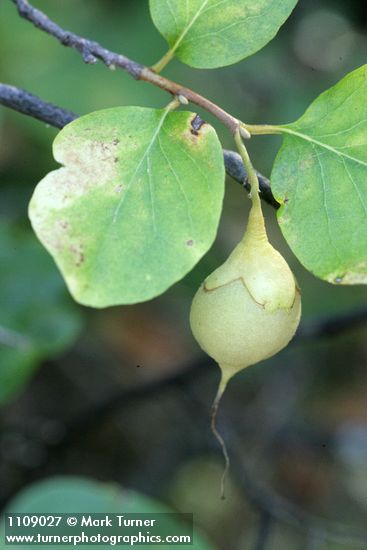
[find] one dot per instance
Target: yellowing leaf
(135, 205)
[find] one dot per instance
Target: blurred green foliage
(79, 495)
(37, 318)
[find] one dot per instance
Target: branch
(92, 51)
(235, 169)
(279, 508)
(31, 105)
(264, 530)
(330, 326)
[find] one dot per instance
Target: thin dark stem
(315, 540)
(92, 51)
(283, 510)
(177, 89)
(264, 531)
(31, 105)
(329, 326)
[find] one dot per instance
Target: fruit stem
(225, 376)
(256, 224)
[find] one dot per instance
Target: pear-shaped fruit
(249, 308)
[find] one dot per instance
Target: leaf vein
(151, 189)
(344, 131)
(197, 165)
(326, 209)
(330, 148)
(146, 153)
(179, 184)
(188, 27)
(364, 206)
(168, 2)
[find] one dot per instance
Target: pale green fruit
(249, 308)
(235, 330)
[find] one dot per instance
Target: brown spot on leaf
(307, 164)
(196, 123)
(190, 242)
(78, 255)
(116, 141)
(63, 224)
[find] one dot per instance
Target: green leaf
(320, 178)
(135, 206)
(215, 33)
(73, 495)
(37, 319)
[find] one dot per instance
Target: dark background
(124, 393)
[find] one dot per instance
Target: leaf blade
(320, 177)
(94, 497)
(216, 33)
(121, 225)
